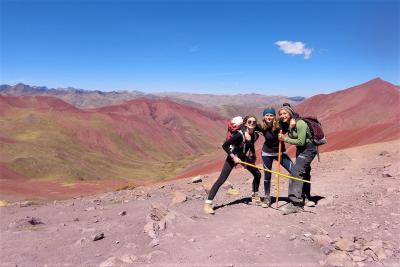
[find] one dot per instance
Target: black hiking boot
(291, 208)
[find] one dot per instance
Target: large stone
(157, 212)
(178, 197)
(321, 240)
(337, 258)
(344, 244)
(348, 236)
(375, 246)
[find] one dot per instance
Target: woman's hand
(280, 136)
(236, 159)
(292, 123)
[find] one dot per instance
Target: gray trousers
(301, 169)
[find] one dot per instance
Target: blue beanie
(269, 111)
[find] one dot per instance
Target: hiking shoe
(208, 208)
(309, 203)
(266, 203)
(256, 200)
(290, 208)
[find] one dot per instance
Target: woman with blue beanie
(270, 128)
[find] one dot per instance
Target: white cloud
(295, 48)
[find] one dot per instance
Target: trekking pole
(279, 169)
(274, 172)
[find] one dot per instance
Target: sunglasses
(251, 122)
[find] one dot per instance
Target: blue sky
(221, 47)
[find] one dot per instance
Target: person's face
(251, 123)
(269, 118)
(284, 116)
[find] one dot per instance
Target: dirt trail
(355, 222)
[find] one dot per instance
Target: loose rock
(321, 240)
(98, 237)
(155, 242)
(233, 192)
(27, 203)
(344, 244)
(337, 258)
(178, 197)
(196, 179)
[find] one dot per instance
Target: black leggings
(226, 170)
(286, 162)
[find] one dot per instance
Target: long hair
(275, 125)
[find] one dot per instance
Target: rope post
(279, 170)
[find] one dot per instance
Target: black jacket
(271, 143)
(238, 145)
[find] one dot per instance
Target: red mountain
(141, 141)
(363, 114)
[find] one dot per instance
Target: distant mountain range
(77, 97)
(93, 99)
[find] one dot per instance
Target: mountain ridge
(94, 98)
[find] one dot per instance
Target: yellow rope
(284, 175)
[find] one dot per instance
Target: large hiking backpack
(234, 125)
(317, 134)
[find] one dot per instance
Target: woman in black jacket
(270, 128)
(237, 147)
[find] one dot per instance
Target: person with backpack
(270, 128)
(300, 135)
(239, 147)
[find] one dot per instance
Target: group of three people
(240, 148)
